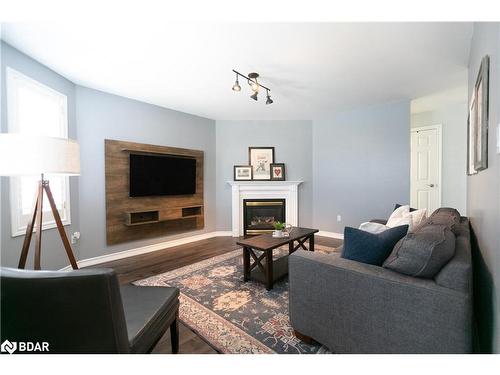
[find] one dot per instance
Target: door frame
(439, 128)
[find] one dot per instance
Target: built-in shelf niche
(192, 211)
(142, 217)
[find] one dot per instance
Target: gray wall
(453, 118)
(103, 116)
(292, 141)
(483, 196)
(361, 165)
(54, 255)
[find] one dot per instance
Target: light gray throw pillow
(445, 216)
(424, 252)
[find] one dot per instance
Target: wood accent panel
(119, 205)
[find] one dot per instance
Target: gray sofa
(353, 307)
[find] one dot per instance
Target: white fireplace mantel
(241, 190)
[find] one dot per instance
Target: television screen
(161, 175)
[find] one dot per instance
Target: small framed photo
(243, 173)
(278, 172)
(261, 158)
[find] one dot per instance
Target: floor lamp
(22, 155)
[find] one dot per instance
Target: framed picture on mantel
(242, 173)
(278, 172)
(261, 158)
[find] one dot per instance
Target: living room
(245, 188)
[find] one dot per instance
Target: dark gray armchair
(85, 311)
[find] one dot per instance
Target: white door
(426, 167)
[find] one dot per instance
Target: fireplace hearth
(260, 214)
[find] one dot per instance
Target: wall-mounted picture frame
(243, 173)
(471, 126)
(278, 172)
(477, 134)
(261, 158)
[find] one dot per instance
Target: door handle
(431, 185)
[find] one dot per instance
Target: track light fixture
(252, 81)
(254, 85)
(236, 86)
(269, 100)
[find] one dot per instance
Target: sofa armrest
(353, 307)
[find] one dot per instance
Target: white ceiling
(438, 100)
(313, 69)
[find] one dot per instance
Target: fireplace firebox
(260, 214)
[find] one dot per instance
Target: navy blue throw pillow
(370, 248)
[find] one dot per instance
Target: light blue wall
(358, 160)
(361, 165)
(453, 118)
(100, 116)
(292, 141)
(103, 116)
(483, 195)
(54, 255)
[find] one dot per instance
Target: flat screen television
(153, 175)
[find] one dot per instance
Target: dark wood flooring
(156, 262)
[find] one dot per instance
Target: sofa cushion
(445, 216)
(399, 205)
(373, 227)
(424, 252)
(403, 216)
(371, 248)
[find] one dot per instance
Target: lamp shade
(33, 155)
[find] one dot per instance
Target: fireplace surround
(241, 190)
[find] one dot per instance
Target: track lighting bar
(252, 80)
(254, 85)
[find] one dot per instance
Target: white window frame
(15, 80)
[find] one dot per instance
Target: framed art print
(242, 173)
(261, 158)
(278, 172)
(481, 126)
(471, 138)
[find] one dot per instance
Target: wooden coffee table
(260, 249)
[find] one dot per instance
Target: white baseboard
(323, 233)
(147, 249)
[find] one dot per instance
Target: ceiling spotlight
(236, 86)
(253, 81)
(254, 85)
(269, 100)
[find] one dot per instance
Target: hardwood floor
(149, 264)
(156, 262)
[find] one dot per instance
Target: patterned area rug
(231, 315)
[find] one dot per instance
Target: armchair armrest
(353, 307)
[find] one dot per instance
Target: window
(36, 109)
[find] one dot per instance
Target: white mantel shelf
(264, 183)
(287, 190)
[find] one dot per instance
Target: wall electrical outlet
(75, 237)
(339, 218)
